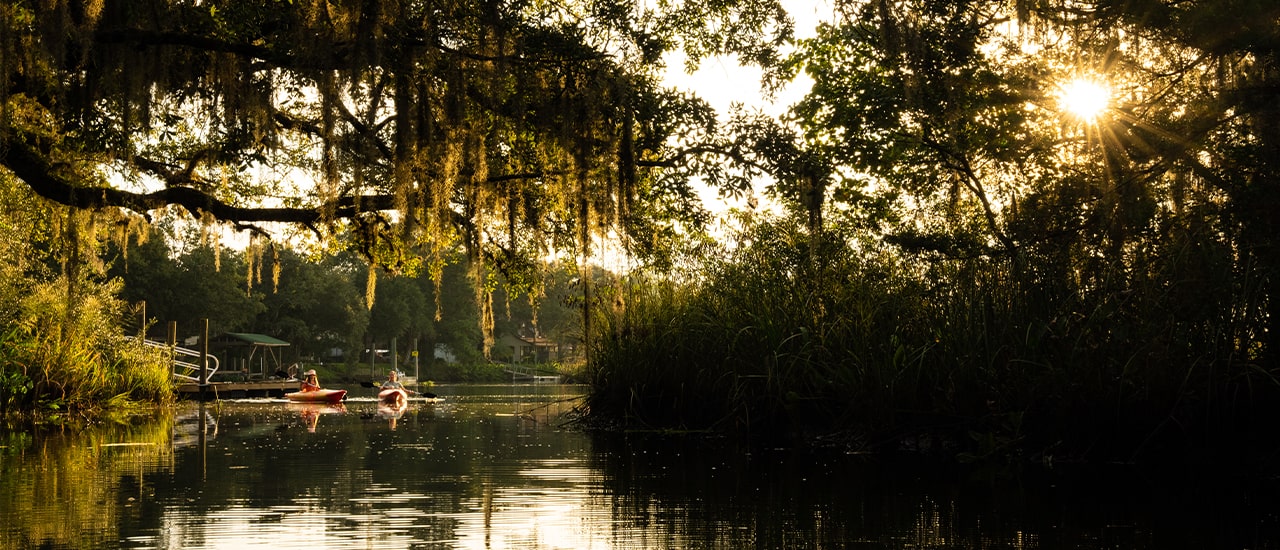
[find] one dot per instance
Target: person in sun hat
(309, 381)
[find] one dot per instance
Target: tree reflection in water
(489, 467)
(74, 487)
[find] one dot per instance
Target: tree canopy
(940, 128)
(398, 128)
(972, 250)
(523, 127)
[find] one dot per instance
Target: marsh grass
(68, 355)
(979, 357)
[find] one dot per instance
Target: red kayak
(316, 396)
(393, 396)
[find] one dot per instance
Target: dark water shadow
(490, 466)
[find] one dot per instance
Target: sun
(1084, 98)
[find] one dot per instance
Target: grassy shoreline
(982, 359)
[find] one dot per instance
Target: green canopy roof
(257, 339)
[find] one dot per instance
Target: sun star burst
(1084, 98)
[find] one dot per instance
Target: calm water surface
(491, 467)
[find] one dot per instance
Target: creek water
(492, 466)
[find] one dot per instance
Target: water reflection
(392, 412)
(488, 467)
(310, 412)
(74, 489)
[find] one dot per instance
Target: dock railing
(186, 367)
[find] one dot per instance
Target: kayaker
(309, 381)
(393, 381)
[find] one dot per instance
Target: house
(530, 349)
(445, 353)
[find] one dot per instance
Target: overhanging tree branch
(45, 180)
(142, 37)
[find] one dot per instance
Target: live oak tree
(939, 128)
(989, 262)
(397, 128)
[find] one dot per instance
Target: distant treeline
(321, 307)
(75, 294)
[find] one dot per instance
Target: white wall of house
(444, 353)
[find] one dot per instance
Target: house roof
(257, 339)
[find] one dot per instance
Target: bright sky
(722, 82)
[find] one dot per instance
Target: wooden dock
(236, 390)
(532, 374)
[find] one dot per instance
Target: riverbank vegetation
(969, 259)
(63, 350)
(785, 337)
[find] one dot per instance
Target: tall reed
(71, 354)
(993, 356)
(772, 336)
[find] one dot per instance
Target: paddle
(425, 394)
